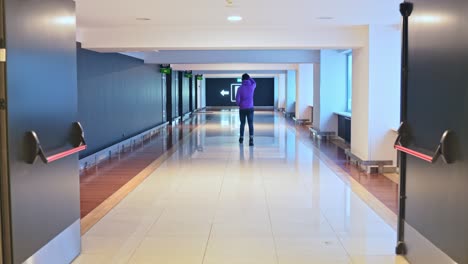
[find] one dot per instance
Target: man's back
(245, 94)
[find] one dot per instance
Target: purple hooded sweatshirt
(245, 94)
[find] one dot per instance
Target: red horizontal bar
(65, 153)
(414, 153)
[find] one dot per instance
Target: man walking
(244, 100)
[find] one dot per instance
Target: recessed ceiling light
(325, 18)
(234, 18)
(143, 19)
(65, 20)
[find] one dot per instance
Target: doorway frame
(5, 232)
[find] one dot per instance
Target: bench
(321, 135)
(350, 157)
(299, 121)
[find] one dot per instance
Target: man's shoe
(241, 140)
(251, 142)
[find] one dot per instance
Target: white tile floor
(215, 202)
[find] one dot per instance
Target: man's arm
(238, 97)
(254, 84)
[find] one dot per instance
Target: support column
(290, 92)
(305, 90)
(203, 93)
(376, 94)
(281, 91)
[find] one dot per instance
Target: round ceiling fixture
(325, 17)
(234, 18)
(143, 18)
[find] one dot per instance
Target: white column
(275, 103)
(198, 87)
(281, 91)
(290, 91)
(305, 90)
(203, 93)
(376, 94)
(330, 96)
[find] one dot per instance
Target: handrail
(35, 149)
(415, 153)
(443, 149)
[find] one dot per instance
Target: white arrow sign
(223, 93)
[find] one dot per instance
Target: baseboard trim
(94, 159)
(64, 248)
(322, 135)
(384, 166)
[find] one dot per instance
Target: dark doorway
(191, 94)
(169, 98)
(180, 89)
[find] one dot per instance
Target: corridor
(214, 201)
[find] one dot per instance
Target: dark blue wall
(264, 93)
(118, 97)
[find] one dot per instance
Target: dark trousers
(243, 114)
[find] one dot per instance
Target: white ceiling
(227, 56)
(256, 13)
(112, 25)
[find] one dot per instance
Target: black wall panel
(118, 97)
(264, 93)
(438, 100)
(41, 96)
(344, 128)
(185, 95)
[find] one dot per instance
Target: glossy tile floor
(214, 201)
(380, 186)
(100, 182)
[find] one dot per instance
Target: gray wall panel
(438, 100)
(42, 96)
(119, 97)
(185, 95)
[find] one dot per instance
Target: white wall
(317, 86)
(275, 103)
(305, 90)
(144, 38)
(203, 93)
(198, 87)
(228, 56)
(376, 94)
(384, 83)
(281, 90)
(290, 91)
(332, 90)
(234, 67)
(360, 104)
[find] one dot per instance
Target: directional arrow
(223, 93)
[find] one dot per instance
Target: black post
(405, 9)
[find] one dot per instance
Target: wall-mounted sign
(199, 77)
(223, 92)
(165, 68)
(264, 93)
(239, 80)
(234, 88)
(188, 74)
